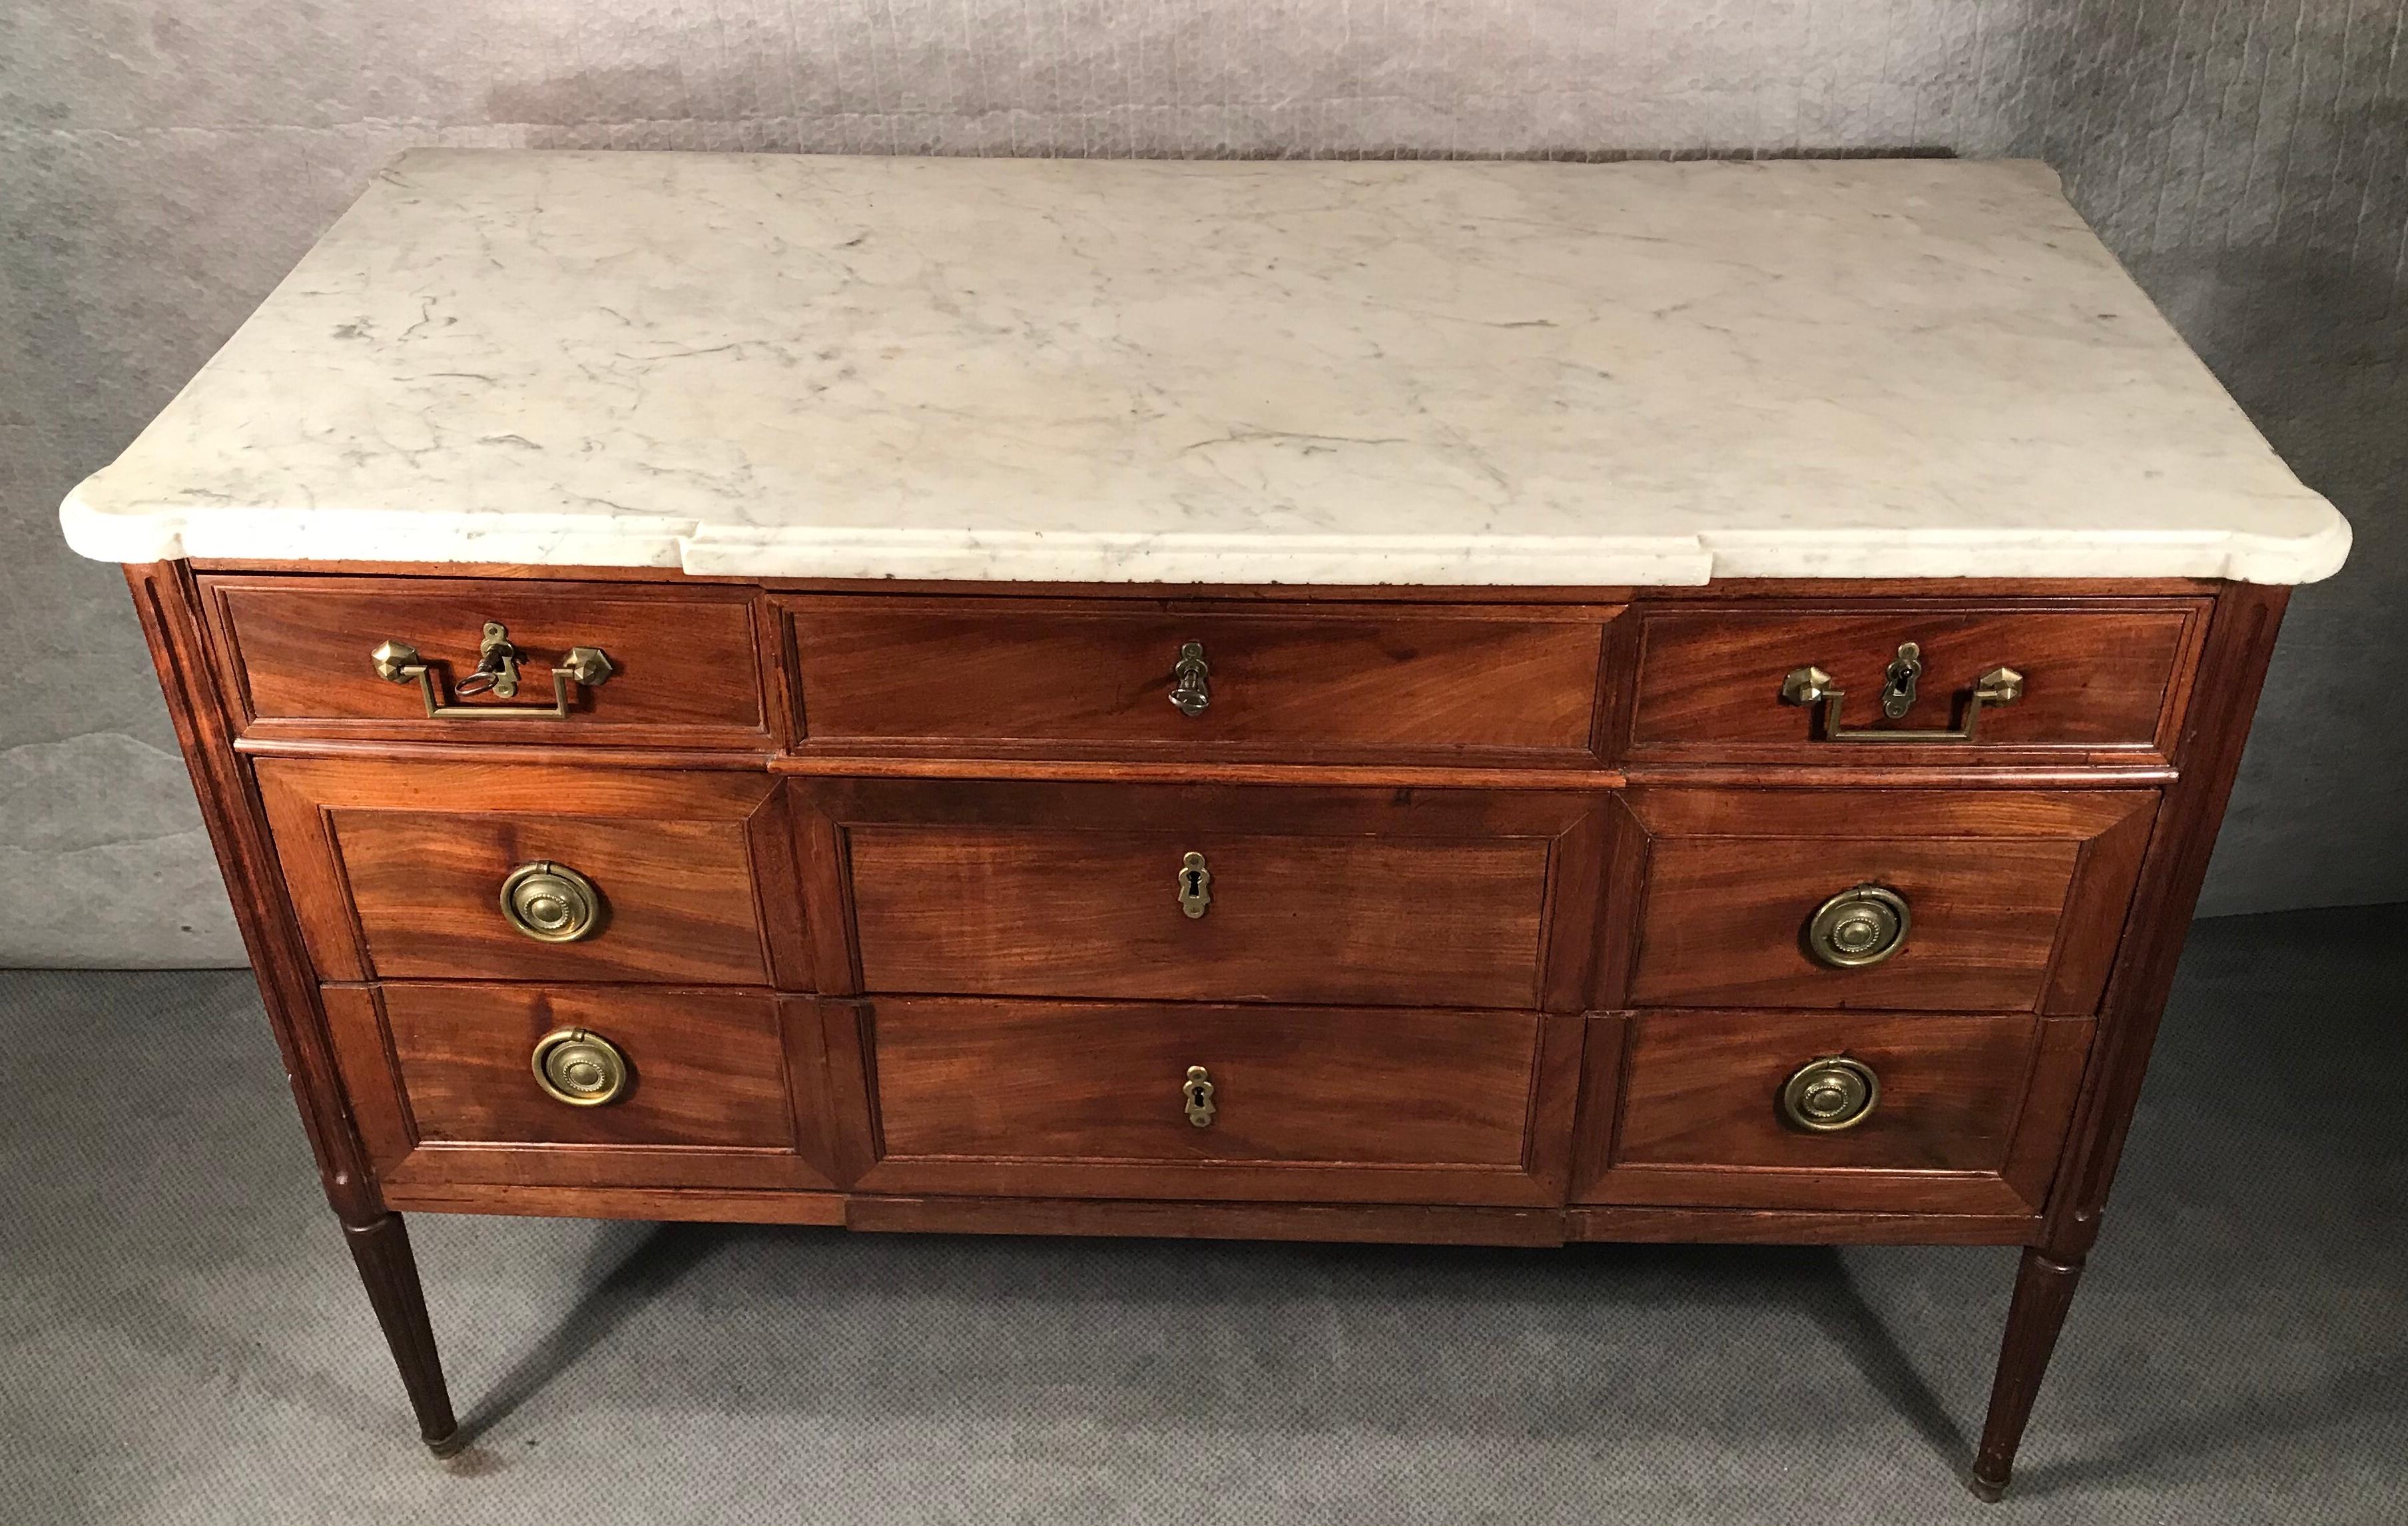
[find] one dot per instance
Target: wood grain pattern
(706, 1067)
(1067, 913)
(688, 1204)
(2241, 643)
(1085, 1099)
(1360, 897)
(1699, 1113)
(1399, 743)
(389, 1273)
(685, 662)
(728, 1087)
(399, 870)
(168, 605)
(1700, 1121)
(1794, 1226)
(1084, 677)
(1417, 1224)
(2043, 1293)
(2098, 676)
(2017, 898)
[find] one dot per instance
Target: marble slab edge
(1122, 557)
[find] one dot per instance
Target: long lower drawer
(1094, 1098)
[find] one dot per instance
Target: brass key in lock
(1900, 680)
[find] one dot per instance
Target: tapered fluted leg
(388, 1271)
(2043, 1292)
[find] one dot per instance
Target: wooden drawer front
(723, 1087)
(1331, 681)
(397, 868)
(2015, 898)
(685, 662)
(1040, 1098)
(1337, 896)
(2100, 677)
(1969, 1114)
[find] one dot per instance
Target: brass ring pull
(1196, 1094)
(497, 673)
(1860, 926)
(1193, 691)
(1812, 685)
(1828, 1095)
(579, 1068)
(552, 903)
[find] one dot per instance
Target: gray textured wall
(163, 163)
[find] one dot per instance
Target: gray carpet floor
(182, 1338)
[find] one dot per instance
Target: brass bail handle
(497, 673)
(1812, 685)
(1191, 688)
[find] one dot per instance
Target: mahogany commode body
(1449, 711)
(1459, 992)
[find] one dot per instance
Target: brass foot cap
(1987, 1491)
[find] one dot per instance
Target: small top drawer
(1922, 680)
(1439, 683)
(683, 665)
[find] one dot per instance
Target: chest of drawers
(1464, 906)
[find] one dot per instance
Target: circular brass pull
(581, 1069)
(551, 902)
(1858, 926)
(1830, 1094)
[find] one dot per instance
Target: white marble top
(1229, 372)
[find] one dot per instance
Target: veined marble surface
(1229, 372)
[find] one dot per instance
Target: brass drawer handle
(552, 903)
(1813, 686)
(1193, 691)
(1196, 1094)
(579, 1068)
(497, 672)
(1860, 926)
(1195, 886)
(1828, 1095)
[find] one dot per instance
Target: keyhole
(1195, 883)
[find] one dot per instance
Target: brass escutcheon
(1828, 1095)
(552, 903)
(1194, 886)
(579, 1068)
(1860, 926)
(1196, 1094)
